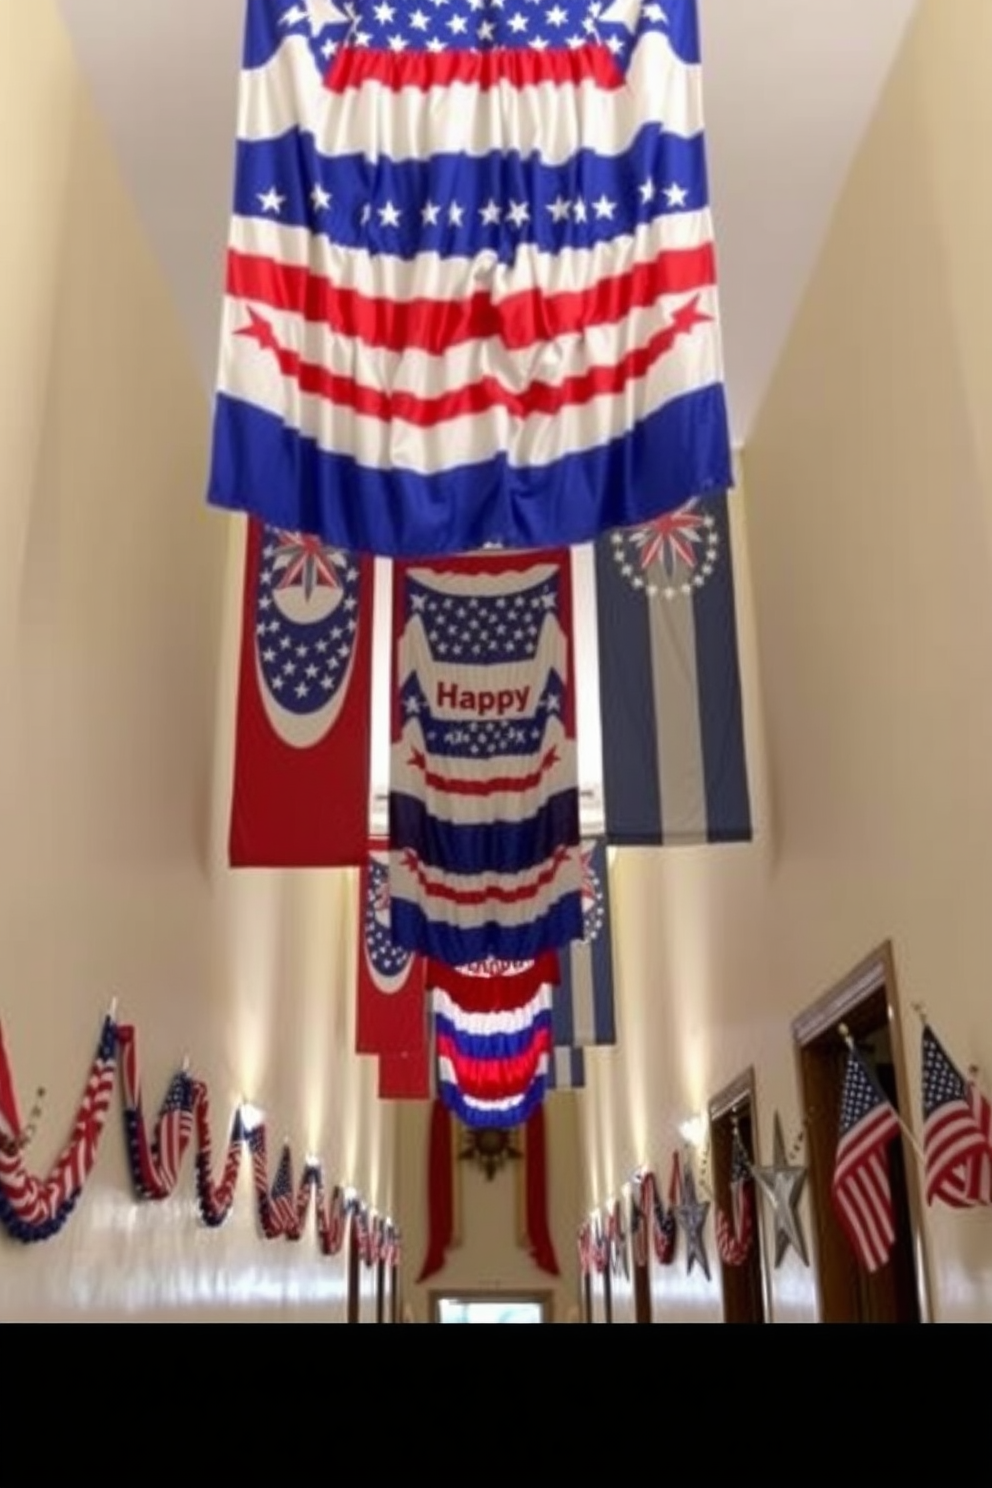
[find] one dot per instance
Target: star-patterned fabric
(470, 293)
(485, 856)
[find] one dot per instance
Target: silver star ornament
(690, 1215)
(782, 1185)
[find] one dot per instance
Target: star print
(271, 201)
(675, 195)
(389, 215)
(320, 199)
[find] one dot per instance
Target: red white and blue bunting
(34, 1209)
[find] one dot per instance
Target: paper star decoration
(782, 1185)
(691, 1217)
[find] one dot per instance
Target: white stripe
(405, 885)
(503, 806)
(694, 363)
(513, 1020)
(447, 1074)
(425, 376)
(433, 276)
(556, 122)
(584, 1030)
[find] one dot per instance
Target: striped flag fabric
(860, 1185)
(735, 1232)
(583, 1010)
(470, 290)
(492, 1022)
(674, 758)
(484, 799)
(302, 747)
(155, 1160)
(566, 1069)
(957, 1121)
(32, 1208)
(10, 1114)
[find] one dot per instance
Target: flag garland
(470, 293)
(483, 792)
(33, 1209)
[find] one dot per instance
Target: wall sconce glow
(693, 1130)
(252, 1117)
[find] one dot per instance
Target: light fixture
(252, 1117)
(693, 1130)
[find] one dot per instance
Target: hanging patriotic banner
(405, 1076)
(493, 1037)
(392, 1014)
(484, 801)
(31, 1208)
(303, 731)
(583, 1006)
(470, 293)
(674, 762)
(566, 1069)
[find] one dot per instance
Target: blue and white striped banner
(567, 1070)
(674, 762)
(582, 1007)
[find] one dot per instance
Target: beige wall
(488, 1257)
(869, 514)
(116, 586)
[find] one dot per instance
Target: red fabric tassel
(440, 1192)
(542, 1248)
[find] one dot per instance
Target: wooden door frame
(744, 1088)
(876, 973)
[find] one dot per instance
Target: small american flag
(734, 1234)
(861, 1189)
(957, 1120)
(282, 1202)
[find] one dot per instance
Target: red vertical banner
(405, 1076)
(303, 731)
(391, 1017)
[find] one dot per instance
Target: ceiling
(789, 88)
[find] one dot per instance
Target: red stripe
(528, 318)
(478, 397)
(495, 1079)
(523, 67)
(494, 894)
(499, 992)
(497, 785)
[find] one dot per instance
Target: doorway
(865, 1003)
(733, 1120)
(490, 1307)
